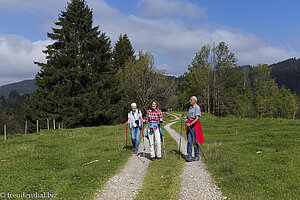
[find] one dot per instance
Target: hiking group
(154, 133)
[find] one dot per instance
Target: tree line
(226, 89)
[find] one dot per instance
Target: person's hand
(126, 123)
(161, 120)
(188, 124)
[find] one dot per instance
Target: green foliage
(252, 158)
(56, 161)
(142, 82)
(73, 85)
(270, 101)
(213, 78)
(224, 89)
(11, 113)
(122, 52)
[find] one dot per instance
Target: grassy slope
(52, 161)
(231, 146)
(162, 180)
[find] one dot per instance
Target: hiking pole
(140, 159)
(126, 138)
(164, 146)
(143, 141)
(180, 137)
(164, 150)
(197, 142)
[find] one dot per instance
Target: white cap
(133, 105)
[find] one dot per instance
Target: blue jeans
(135, 137)
(192, 141)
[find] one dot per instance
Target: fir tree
(122, 51)
(72, 84)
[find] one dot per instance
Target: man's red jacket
(198, 131)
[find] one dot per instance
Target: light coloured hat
(133, 105)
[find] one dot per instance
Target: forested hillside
(288, 73)
(23, 87)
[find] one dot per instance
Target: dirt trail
(127, 183)
(196, 182)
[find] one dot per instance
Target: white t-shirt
(135, 117)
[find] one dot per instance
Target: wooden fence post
(26, 127)
(37, 126)
(62, 125)
(4, 132)
(48, 127)
(53, 123)
(58, 125)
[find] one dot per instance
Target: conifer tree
(122, 51)
(72, 84)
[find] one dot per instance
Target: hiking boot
(196, 159)
(152, 158)
(135, 152)
(158, 158)
(189, 159)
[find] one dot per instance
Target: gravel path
(196, 182)
(127, 183)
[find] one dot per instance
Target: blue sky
(172, 30)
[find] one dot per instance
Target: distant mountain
(287, 73)
(23, 87)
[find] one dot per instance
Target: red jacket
(198, 131)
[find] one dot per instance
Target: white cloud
(164, 36)
(179, 42)
(171, 8)
(17, 55)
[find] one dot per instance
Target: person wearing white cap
(135, 120)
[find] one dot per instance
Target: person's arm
(141, 116)
(146, 120)
(128, 121)
(161, 119)
(198, 114)
(193, 122)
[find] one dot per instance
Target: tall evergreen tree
(72, 84)
(122, 51)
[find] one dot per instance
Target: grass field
(253, 158)
(162, 180)
(54, 161)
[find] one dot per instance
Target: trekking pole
(197, 142)
(143, 141)
(126, 137)
(164, 146)
(180, 137)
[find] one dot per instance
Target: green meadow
(252, 158)
(73, 164)
(248, 158)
